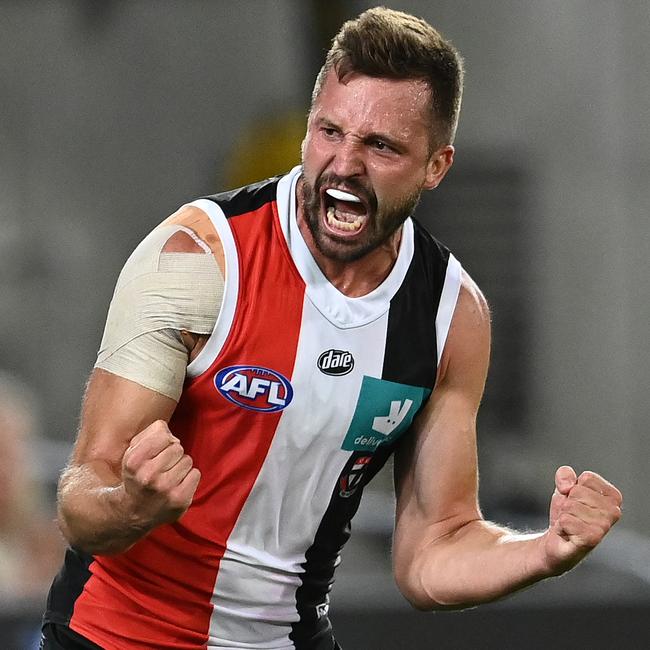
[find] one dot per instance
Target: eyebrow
(398, 145)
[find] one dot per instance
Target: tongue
(347, 207)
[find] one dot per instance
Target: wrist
(539, 563)
(131, 519)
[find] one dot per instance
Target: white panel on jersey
(262, 563)
(339, 309)
(226, 315)
(447, 304)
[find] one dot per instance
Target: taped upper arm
(171, 285)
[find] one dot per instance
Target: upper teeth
(342, 196)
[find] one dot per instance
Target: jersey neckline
(339, 309)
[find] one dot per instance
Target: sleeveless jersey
(296, 401)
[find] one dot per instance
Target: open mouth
(345, 212)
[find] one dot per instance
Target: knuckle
(159, 484)
(593, 537)
(186, 462)
(129, 463)
(146, 479)
(585, 476)
(179, 499)
(159, 427)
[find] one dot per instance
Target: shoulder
(188, 230)
(472, 305)
(467, 349)
(248, 198)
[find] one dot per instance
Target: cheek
(394, 182)
(310, 159)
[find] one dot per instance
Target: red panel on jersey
(170, 575)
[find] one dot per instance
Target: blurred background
(112, 114)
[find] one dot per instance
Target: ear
(437, 166)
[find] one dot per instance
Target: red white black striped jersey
(294, 404)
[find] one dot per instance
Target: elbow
(419, 602)
(80, 527)
(72, 534)
(410, 586)
(424, 588)
(89, 544)
(422, 601)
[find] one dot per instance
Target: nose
(347, 159)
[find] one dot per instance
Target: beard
(381, 221)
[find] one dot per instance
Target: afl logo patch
(335, 362)
(254, 388)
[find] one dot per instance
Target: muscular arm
(128, 474)
(445, 554)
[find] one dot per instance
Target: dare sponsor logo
(335, 362)
(254, 388)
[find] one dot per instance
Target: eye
(381, 145)
(329, 131)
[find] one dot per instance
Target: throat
(360, 277)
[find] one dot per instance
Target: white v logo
(386, 424)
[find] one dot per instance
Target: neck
(358, 277)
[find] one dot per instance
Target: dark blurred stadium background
(112, 114)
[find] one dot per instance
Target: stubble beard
(382, 222)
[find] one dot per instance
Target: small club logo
(351, 480)
(322, 609)
(254, 388)
(335, 362)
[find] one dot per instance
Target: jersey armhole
(447, 304)
(206, 357)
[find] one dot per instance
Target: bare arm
(445, 554)
(128, 473)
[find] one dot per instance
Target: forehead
(375, 104)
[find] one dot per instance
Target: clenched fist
(158, 476)
(583, 509)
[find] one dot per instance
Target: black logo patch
(335, 362)
(350, 481)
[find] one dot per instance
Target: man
(213, 512)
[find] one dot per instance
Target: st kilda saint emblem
(350, 481)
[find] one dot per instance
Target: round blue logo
(254, 388)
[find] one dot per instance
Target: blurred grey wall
(114, 113)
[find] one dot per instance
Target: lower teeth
(342, 225)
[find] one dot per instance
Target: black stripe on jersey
(411, 355)
(410, 358)
(246, 199)
(67, 587)
(314, 631)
